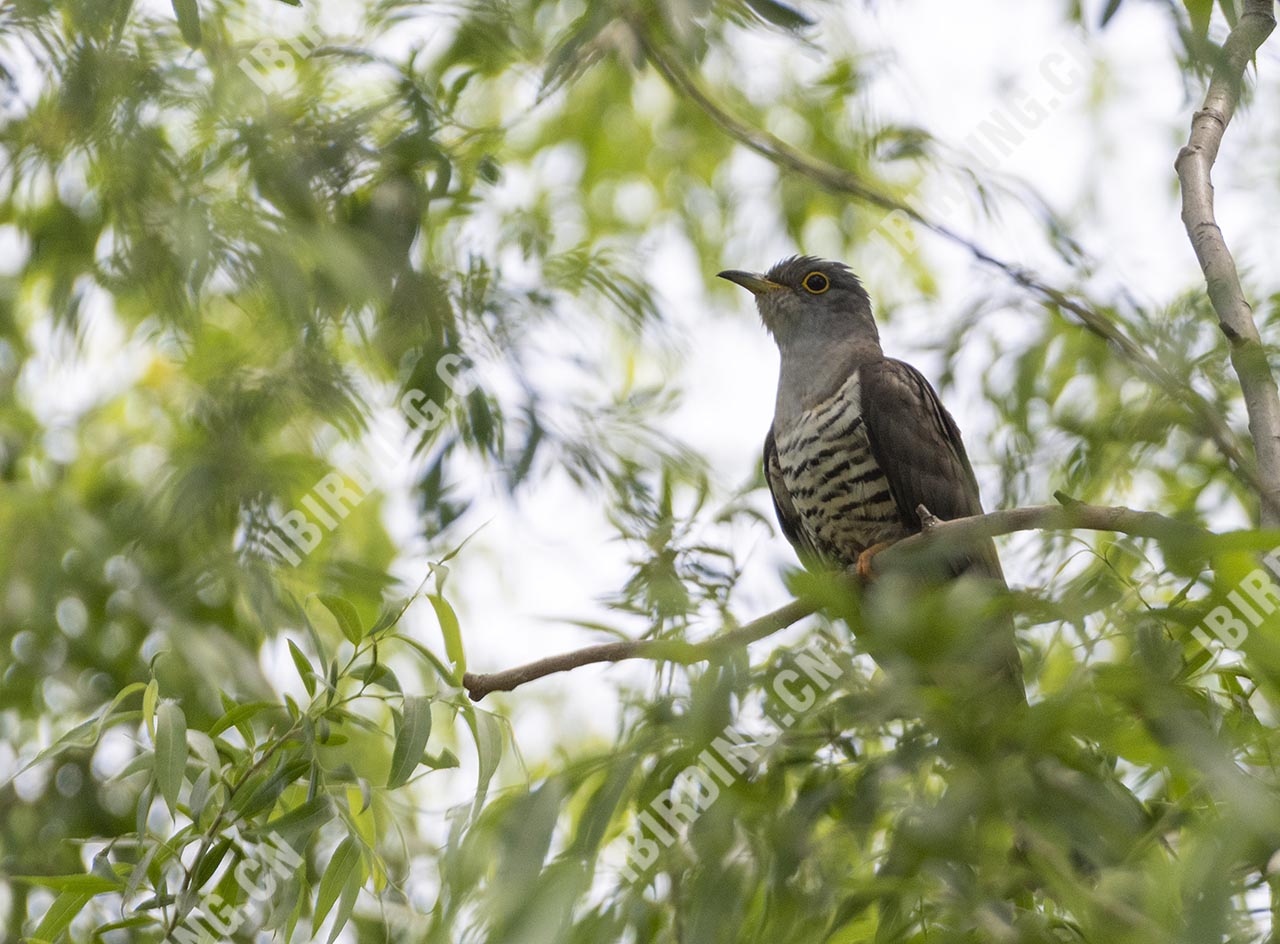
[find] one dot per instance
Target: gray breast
(839, 491)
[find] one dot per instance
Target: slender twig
(1208, 419)
(212, 833)
(663, 650)
(1235, 317)
(961, 531)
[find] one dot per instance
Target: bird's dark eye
(815, 283)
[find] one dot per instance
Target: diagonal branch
(1235, 316)
(961, 531)
(1207, 418)
(661, 650)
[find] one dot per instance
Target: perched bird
(859, 440)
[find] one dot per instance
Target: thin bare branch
(961, 531)
(662, 650)
(1235, 316)
(1207, 418)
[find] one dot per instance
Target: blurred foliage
(236, 236)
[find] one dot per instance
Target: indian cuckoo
(859, 440)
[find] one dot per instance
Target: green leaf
(524, 850)
(365, 790)
(302, 822)
(79, 882)
(238, 715)
(1200, 12)
(342, 865)
(86, 733)
(1109, 11)
(249, 803)
(347, 903)
(209, 863)
(390, 615)
(171, 752)
(137, 921)
(487, 731)
(431, 658)
(452, 634)
(199, 795)
(411, 740)
(377, 675)
(307, 673)
(61, 913)
(445, 760)
(149, 700)
(346, 615)
(188, 21)
(780, 14)
(1229, 12)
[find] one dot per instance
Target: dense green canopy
(293, 301)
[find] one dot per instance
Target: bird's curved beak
(753, 283)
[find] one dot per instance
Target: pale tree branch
(661, 650)
(957, 533)
(1235, 316)
(1208, 420)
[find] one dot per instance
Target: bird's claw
(863, 568)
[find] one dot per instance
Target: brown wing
(918, 447)
(788, 517)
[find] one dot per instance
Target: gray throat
(814, 368)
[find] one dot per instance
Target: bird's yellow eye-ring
(815, 283)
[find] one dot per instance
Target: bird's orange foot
(863, 566)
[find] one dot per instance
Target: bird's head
(806, 298)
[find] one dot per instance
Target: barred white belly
(839, 491)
